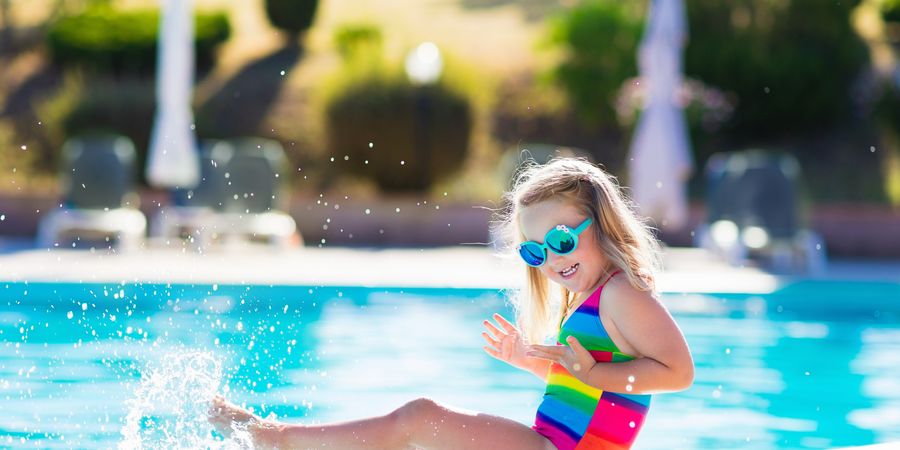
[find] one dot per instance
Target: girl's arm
(663, 363)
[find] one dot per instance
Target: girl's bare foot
(229, 418)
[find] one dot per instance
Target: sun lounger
(99, 206)
(753, 207)
(236, 199)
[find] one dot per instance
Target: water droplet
(371, 145)
(368, 211)
(282, 73)
(631, 378)
(70, 315)
(632, 424)
(24, 147)
(872, 149)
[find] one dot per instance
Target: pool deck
(686, 269)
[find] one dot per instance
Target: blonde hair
(626, 240)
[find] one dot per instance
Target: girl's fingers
(555, 349)
(494, 330)
(510, 328)
(544, 349)
(492, 352)
(541, 355)
(493, 342)
(577, 347)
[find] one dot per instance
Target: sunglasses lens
(561, 242)
(532, 253)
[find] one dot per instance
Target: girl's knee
(417, 410)
(413, 417)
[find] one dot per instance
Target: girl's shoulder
(619, 295)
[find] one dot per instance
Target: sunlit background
(285, 129)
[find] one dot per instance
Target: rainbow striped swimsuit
(574, 415)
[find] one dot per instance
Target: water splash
(169, 408)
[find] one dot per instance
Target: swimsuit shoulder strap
(615, 272)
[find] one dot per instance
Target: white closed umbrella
(660, 159)
(173, 160)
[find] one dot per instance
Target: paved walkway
(687, 270)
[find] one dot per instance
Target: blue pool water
(813, 365)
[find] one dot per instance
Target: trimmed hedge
(124, 42)
(291, 16)
(419, 135)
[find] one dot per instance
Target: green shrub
(358, 40)
(124, 42)
(890, 10)
(291, 16)
(418, 135)
(600, 38)
(791, 64)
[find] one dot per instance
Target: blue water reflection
(810, 366)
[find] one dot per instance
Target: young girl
(616, 343)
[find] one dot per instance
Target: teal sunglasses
(560, 240)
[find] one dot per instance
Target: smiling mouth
(569, 271)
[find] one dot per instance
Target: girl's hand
(574, 357)
(505, 343)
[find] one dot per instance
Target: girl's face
(578, 271)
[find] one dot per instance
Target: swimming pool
(812, 365)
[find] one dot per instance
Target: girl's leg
(421, 423)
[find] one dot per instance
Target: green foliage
(291, 16)
(887, 107)
(358, 40)
(600, 38)
(890, 10)
(418, 134)
(791, 64)
(104, 40)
